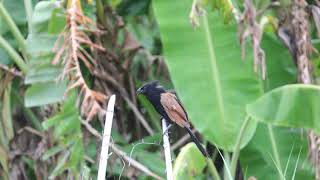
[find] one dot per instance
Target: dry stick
(106, 139)
(125, 95)
(115, 149)
(181, 141)
(167, 153)
(12, 71)
(135, 163)
(139, 115)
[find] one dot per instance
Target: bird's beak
(139, 91)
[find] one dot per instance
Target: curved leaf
(294, 105)
(189, 163)
(208, 73)
(257, 159)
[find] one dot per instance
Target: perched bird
(169, 107)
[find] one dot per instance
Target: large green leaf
(189, 163)
(294, 105)
(257, 158)
(17, 12)
(42, 14)
(280, 67)
(208, 73)
(42, 75)
(44, 93)
(67, 137)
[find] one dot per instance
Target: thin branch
(236, 152)
(181, 141)
(115, 149)
(139, 115)
(31, 117)
(13, 54)
(213, 170)
(125, 95)
(11, 70)
(275, 151)
(28, 8)
(167, 153)
(89, 159)
(106, 139)
(13, 28)
(31, 130)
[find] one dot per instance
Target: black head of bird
(151, 89)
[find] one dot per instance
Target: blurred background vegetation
(246, 70)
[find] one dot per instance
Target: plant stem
(104, 155)
(6, 113)
(31, 116)
(236, 151)
(28, 7)
(100, 13)
(13, 28)
(213, 170)
(13, 54)
(227, 173)
(167, 153)
(275, 151)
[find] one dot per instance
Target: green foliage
(17, 12)
(42, 75)
(139, 151)
(218, 88)
(133, 8)
(225, 8)
(258, 160)
(282, 107)
(43, 11)
(44, 93)
(189, 163)
(280, 66)
(67, 137)
(208, 73)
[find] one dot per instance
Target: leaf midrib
(215, 70)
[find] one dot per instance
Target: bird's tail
(197, 142)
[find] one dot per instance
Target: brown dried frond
(248, 27)
(71, 51)
(302, 40)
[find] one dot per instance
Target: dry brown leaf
(248, 27)
(70, 53)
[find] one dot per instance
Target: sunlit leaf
(257, 158)
(294, 105)
(189, 163)
(209, 76)
(44, 93)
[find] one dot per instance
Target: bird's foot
(167, 130)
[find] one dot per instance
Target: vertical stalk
(30, 115)
(275, 151)
(106, 139)
(167, 153)
(226, 171)
(100, 13)
(236, 151)
(13, 28)
(213, 170)
(28, 7)
(6, 113)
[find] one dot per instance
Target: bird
(167, 104)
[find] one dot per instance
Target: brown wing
(174, 109)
